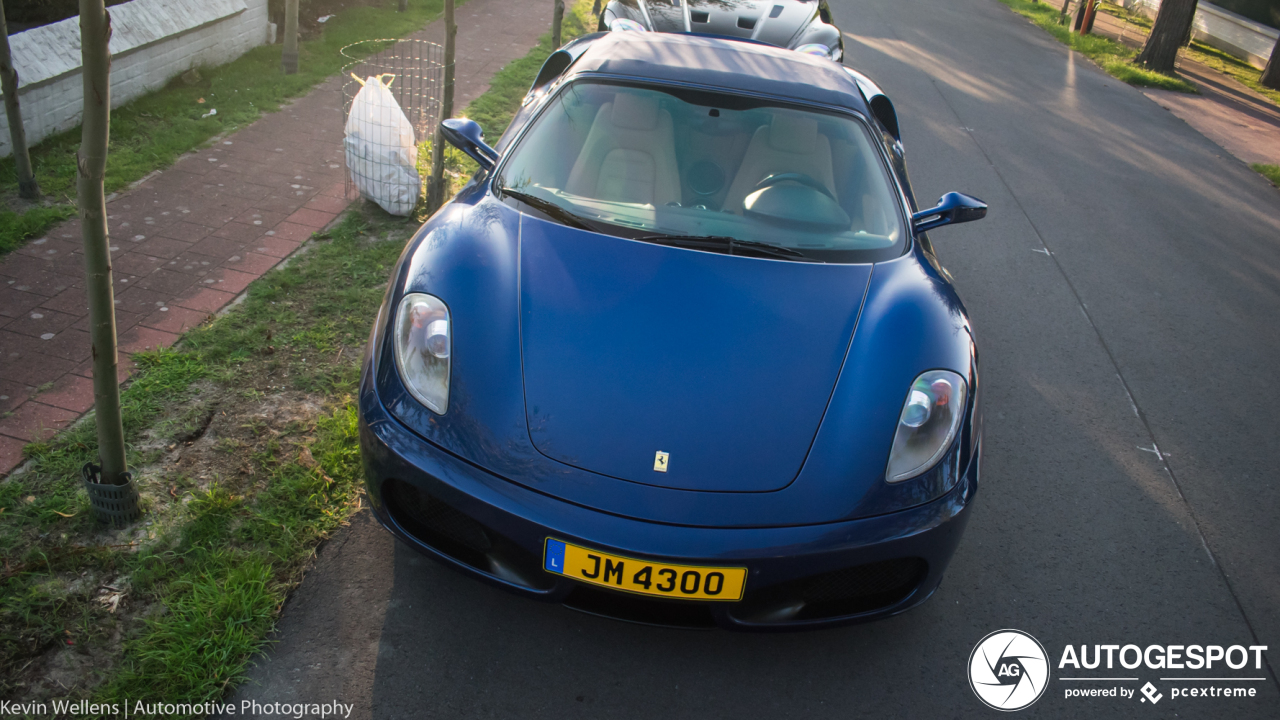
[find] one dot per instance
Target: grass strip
(1270, 172)
(16, 228)
(1113, 57)
(234, 561)
(153, 131)
(200, 583)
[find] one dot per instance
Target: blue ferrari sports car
(681, 353)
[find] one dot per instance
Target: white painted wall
(152, 41)
(1222, 29)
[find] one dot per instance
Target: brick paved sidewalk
(188, 240)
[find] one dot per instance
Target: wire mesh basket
(380, 162)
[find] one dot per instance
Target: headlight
(423, 341)
(625, 25)
(815, 49)
(929, 422)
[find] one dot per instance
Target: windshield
(652, 163)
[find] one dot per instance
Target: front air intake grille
(437, 523)
(448, 530)
(887, 579)
(640, 609)
(849, 591)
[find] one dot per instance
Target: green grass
(230, 536)
(153, 131)
(1270, 172)
(17, 228)
(1113, 57)
(231, 567)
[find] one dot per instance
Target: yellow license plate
(681, 582)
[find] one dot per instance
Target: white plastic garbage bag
(381, 154)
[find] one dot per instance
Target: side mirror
(467, 136)
(952, 208)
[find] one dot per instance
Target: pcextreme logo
(1008, 670)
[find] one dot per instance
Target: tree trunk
(557, 20)
(404, 6)
(289, 56)
(435, 184)
(1271, 73)
(91, 166)
(27, 186)
(1171, 27)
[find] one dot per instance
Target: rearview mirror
(467, 136)
(952, 208)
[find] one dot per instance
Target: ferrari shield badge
(660, 462)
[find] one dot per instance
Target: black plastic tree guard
(113, 504)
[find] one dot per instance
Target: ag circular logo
(1008, 670)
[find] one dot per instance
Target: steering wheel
(806, 180)
(805, 204)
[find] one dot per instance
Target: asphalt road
(1124, 292)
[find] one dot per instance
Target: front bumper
(798, 577)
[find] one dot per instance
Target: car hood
(734, 18)
(725, 363)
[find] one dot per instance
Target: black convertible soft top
(720, 62)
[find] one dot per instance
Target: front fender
(468, 256)
(912, 321)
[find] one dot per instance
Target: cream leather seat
(629, 154)
(789, 144)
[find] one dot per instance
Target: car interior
(694, 162)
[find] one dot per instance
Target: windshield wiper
(707, 242)
(550, 209)
(725, 242)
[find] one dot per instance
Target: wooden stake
(27, 186)
(289, 55)
(435, 184)
(557, 20)
(91, 162)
